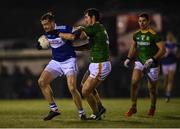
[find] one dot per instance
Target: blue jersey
(61, 49)
(170, 58)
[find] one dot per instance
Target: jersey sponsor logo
(142, 37)
(147, 38)
(55, 43)
(60, 27)
(143, 43)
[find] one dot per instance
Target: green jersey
(98, 42)
(146, 44)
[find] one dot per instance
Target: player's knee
(72, 89)
(134, 82)
(41, 82)
(85, 93)
(71, 82)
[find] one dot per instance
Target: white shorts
(62, 68)
(167, 68)
(153, 73)
(100, 70)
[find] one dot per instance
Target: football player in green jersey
(100, 65)
(148, 49)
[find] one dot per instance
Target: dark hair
(145, 15)
(93, 12)
(48, 16)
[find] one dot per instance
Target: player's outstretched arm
(77, 34)
(67, 36)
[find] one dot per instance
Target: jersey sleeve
(157, 38)
(90, 30)
(68, 29)
(65, 29)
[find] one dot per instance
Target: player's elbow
(162, 50)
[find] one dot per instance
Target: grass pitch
(29, 114)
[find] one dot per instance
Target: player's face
(143, 22)
(88, 20)
(48, 25)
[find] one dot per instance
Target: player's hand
(38, 46)
(77, 28)
(77, 33)
(148, 63)
(127, 62)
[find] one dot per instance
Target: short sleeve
(157, 38)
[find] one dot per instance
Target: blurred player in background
(100, 65)
(63, 63)
(169, 64)
(147, 48)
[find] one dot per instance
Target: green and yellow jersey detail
(146, 44)
(99, 42)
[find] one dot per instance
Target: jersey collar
(145, 31)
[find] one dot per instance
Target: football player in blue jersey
(169, 63)
(63, 62)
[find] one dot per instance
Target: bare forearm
(67, 36)
(132, 51)
(160, 54)
(161, 51)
